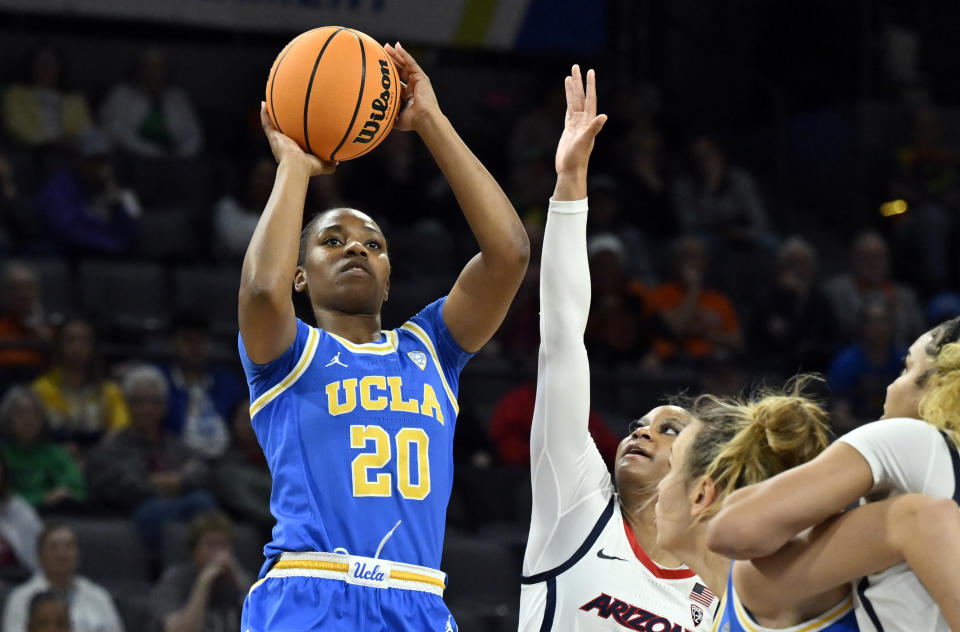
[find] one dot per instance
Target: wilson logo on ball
(379, 107)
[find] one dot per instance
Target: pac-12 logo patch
(697, 613)
(419, 358)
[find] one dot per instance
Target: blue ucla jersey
(359, 437)
(734, 617)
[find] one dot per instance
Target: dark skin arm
(479, 300)
(268, 325)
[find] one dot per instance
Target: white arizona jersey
(905, 456)
(611, 584)
(582, 567)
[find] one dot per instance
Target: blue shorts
(299, 603)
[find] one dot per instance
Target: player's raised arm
(563, 458)
(266, 316)
(479, 300)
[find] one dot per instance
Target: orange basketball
(335, 91)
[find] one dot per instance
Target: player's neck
(713, 569)
(357, 328)
(641, 521)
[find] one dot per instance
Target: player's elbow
(915, 516)
(516, 251)
(258, 294)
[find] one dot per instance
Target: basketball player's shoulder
(897, 433)
(428, 329)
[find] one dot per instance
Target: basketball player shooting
(357, 423)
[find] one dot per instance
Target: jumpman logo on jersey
(335, 360)
(449, 627)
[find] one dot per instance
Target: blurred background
(776, 190)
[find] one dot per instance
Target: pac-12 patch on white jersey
(611, 584)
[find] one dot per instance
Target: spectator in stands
(20, 527)
(926, 175)
(18, 227)
(49, 612)
(206, 593)
(795, 329)
(235, 217)
(859, 374)
(81, 405)
(150, 117)
(202, 396)
(645, 188)
(513, 416)
(24, 334)
(90, 607)
(41, 111)
(519, 335)
(698, 323)
(720, 202)
(143, 470)
(83, 206)
(41, 471)
(941, 307)
(870, 274)
(618, 330)
(607, 218)
(241, 479)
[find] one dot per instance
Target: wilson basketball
(335, 91)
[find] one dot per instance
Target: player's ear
(702, 495)
(299, 280)
(386, 291)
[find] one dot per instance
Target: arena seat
(165, 181)
(56, 286)
(170, 233)
(110, 552)
(125, 294)
(211, 292)
(481, 572)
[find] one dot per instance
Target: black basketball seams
(273, 82)
(356, 109)
(306, 101)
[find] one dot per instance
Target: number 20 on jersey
(413, 478)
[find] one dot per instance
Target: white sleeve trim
(568, 206)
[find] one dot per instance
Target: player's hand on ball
(418, 93)
(581, 124)
(284, 147)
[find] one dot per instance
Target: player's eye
(332, 241)
(635, 425)
(374, 244)
(669, 430)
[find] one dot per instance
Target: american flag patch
(701, 594)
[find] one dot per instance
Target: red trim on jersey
(653, 567)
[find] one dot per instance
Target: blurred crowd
(121, 396)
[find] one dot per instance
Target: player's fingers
(577, 87)
(409, 60)
(398, 61)
(265, 121)
(590, 101)
(568, 91)
(597, 124)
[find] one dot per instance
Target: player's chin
(630, 469)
